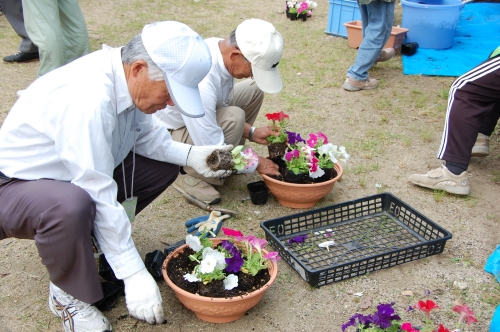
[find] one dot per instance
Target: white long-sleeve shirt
(215, 90)
(65, 127)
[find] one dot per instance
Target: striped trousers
(473, 107)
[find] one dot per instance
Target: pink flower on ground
(231, 232)
(408, 328)
(466, 313)
(272, 256)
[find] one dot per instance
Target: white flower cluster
(211, 260)
(334, 152)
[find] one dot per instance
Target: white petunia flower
(191, 277)
(207, 265)
(218, 256)
(194, 242)
(319, 172)
(230, 282)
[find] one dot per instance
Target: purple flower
(362, 319)
(294, 138)
(235, 262)
(298, 239)
(385, 315)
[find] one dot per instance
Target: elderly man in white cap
(252, 50)
(78, 154)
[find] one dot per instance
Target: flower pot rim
(273, 272)
(338, 167)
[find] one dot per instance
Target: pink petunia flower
(272, 256)
(322, 137)
(466, 313)
(231, 232)
(408, 328)
(258, 243)
(312, 141)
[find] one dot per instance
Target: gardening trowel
(206, 206)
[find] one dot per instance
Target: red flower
(426, 306)
(231, 232)
(466, 313)
(277, 116)
(442, 329)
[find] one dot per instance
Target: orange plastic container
(355, 36)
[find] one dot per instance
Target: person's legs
(473, 101)
(13, 10)
(249, 98)
(74, 30)
(59, 216)
(41, 19)
(379, 17)
(151, 178)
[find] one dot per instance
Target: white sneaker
(19, 93)
(77, 316)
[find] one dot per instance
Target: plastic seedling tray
(368, 234)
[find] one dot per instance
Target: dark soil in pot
(180, 265)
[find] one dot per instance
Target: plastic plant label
(130, 205)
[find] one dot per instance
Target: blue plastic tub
(341, 11)
(431, 23)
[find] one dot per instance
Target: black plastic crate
(370, 234)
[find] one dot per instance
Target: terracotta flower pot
(218, 310)
(301, 196)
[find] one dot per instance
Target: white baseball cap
(262, 45)
(185, 60)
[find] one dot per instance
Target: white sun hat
(262, 45)
(185, 60)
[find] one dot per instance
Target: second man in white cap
(251, 51)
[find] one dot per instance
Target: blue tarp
(477, 35)
(493, 266)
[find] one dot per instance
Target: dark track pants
(59, 216)
(473, 107)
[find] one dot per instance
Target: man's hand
(197, 159)
(267, 166)
(260, 134)
(143, 297)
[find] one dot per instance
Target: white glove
(143, 297)
(197, 159)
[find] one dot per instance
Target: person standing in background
(59, 30)
(28, 51)
(377, 17)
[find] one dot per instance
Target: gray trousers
(59, 216)
(59, 30)
(13, 11)
(247, 101)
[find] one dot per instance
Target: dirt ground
(390, 132)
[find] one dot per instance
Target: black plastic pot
(294, 178)
(258, 192)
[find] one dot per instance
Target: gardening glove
(211, 222)
(197, 159)
(143, 297)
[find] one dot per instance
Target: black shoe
(21, 57)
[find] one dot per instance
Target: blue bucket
(431, 23)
